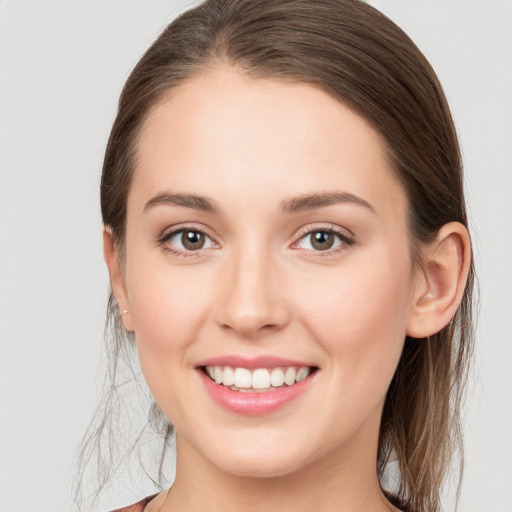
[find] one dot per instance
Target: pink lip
(254, 404)
(252, 362)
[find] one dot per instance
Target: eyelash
(164, 239)
(345, 240)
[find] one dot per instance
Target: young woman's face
(266, 242)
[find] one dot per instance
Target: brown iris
(192, 240)
(322, 240)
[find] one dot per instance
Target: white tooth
(302, 373)
(243, 378)
(261, 379)
(289, 376)
(228, 377)
(218, 374)
(211, 372)
(277, 377)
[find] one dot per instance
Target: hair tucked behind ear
(358, 56)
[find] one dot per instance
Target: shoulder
(136, 507)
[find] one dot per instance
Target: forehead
(223, 131)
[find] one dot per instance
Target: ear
(440, 282)
(117, 280)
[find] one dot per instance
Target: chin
(259, 460)
(259, 468)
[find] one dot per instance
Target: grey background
(62, 66)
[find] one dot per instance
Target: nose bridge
(252, 298)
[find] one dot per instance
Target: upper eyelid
(332, 228)
(172, 230)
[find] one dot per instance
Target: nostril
(251, 326)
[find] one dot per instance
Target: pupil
(322, 240)
(192, 240)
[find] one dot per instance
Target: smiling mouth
(257, 380)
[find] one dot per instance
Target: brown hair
(361, 58)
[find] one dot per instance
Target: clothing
(137, 507)
(141, 505)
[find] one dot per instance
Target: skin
(259, 287)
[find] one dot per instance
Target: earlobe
(441, 281)
(117, 280)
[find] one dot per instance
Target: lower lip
(254, 404)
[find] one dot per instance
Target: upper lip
(264, 361)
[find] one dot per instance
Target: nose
(253, 295)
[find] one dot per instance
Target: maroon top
(141, 505)
(137, 507)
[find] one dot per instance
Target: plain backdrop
(62, 66)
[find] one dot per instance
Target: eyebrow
(188, 200)
(293, 205)
(313, 201)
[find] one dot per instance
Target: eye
(323, 240)
(186, 240)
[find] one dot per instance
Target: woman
(287, 243)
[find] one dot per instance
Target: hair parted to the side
(361, 58)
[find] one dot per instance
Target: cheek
(168, 305)
(169, 308)
(360, 320)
